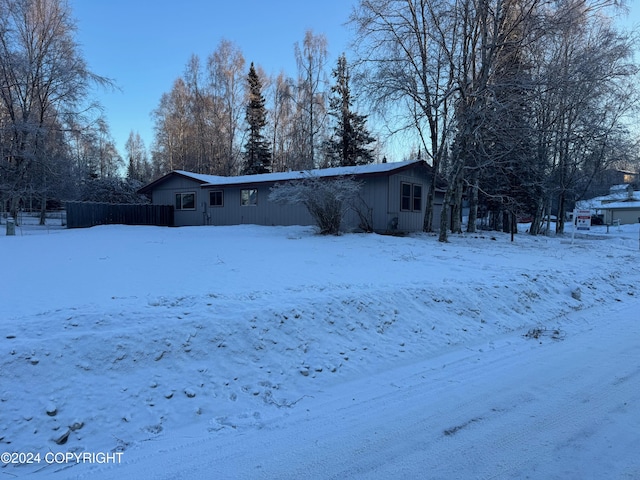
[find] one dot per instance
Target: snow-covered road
(514, 408)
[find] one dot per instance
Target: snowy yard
(271, 352)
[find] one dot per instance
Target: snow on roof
(631, 204)
(201, 177)
(620, 199)
(620, 188)
(217, 180)
(323, 172)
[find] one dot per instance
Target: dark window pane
(405, 200)
(188, 201)
(215, 199)
(417, 198)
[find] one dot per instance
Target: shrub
(327, 200)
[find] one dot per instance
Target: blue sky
(144, 45)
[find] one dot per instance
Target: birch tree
(406, 51)
(44, 83)
(589, 93)
(311, 58)
(198, 123)
(281, 124)
(226, 67)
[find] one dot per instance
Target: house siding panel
(263, 213)
(375, 196)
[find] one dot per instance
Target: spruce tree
(257, 153)
(349, 143)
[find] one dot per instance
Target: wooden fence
(88, 214)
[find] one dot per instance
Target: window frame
(179, 204)
(246, 200)
(216, 205)
(409, 199)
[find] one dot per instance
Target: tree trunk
(43, 210)
(427, 226)
(561, 211)
(506, 221)
(448, 196)
(444, 217)
(456, 208)
(473, 204)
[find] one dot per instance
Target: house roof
(198, 177)
(624, 188)
(357, 171)
(618, 200)
(622, 205)
(220, 181)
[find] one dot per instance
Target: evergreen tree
(257, 152)
(348, 145)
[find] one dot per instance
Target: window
(185, 201)
(410, 197)
(216, 198)
(249, 197)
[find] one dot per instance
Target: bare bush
(327, 200)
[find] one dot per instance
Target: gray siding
(374, 193)
(408, 220)
(625, 216)
(165, 194)
(263, 213)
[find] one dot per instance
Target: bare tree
(311, 58)
(588, 78)
(226, 73)
(173, 122)
(43, 84)
(138, 166)
(407, 51)
(281, 115)
(197, 124)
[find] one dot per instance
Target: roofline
(259, 181)
(149, 187)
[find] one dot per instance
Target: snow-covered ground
(271, 352)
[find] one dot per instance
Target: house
(602, 181)
(394, 195)
(622, 205)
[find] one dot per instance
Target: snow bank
(116, 336)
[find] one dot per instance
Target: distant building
(621, 205)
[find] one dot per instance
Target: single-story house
(622, 205)
(395, 195)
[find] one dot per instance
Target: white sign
(582, 219)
